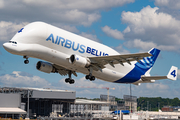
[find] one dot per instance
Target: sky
(128, 26)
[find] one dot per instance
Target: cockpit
(13, 42)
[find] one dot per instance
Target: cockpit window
(13, 42)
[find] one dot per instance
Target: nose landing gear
(26, 61)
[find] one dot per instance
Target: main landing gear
(69, 80)
(26, 61)
(90, 76)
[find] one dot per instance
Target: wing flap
(63, 71)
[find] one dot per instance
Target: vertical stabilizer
(146, 63)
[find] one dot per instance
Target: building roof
(9, 110)
(28, 88)
(44, 93)
(84, 101)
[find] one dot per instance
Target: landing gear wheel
(92, 78)
(71, 81)
(26, 61)
(88, 77)
(67, 80)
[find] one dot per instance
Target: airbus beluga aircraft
(66, 53)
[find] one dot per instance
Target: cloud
(93, 89)
(157, 89)
(22, 79)
(138, 43)
(1, 4)
(68, 28)
(88, 5)
(171, 4)
(63, 13)
(112, 33)
(8, 29)
(90, 89)
(178, 73)
(171, 7)
(151, 28)
(90, 36)
(121, 50)
(78, 12)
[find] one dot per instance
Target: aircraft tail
(146, 63)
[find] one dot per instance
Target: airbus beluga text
(67, 53)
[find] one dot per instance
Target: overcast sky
(128, 26)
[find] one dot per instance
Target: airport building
(42, 103)
(34, 102)
(39, 102)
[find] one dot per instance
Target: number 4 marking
(173, 73)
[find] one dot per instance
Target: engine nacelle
(79, 61)
(45, 67)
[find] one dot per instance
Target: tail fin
(148, 62)
(172, 75)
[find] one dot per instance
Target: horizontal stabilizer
(172, 75)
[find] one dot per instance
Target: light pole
(158, 106)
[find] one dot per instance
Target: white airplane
(68, 53)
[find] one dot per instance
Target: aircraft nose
(5, 45)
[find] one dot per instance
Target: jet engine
(45, 67)
(79, 61)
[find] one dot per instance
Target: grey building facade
(36, 101)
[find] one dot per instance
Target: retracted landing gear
(26, 61)
(69, 80)
(90, 76)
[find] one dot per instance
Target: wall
(10, 100)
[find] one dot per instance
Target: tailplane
(172, 75)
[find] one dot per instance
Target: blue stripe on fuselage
(133, 76)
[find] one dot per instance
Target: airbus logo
(74, 46)
(20, 30)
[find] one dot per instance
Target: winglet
(172, 75)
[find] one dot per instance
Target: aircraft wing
(100, 61)
(63, 71)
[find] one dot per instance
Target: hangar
(45, 102)
(14, 102)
